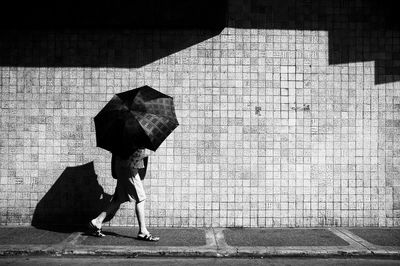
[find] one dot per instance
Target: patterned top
(136, 159)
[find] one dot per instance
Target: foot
(96, 224)
(98, 233)
(147, 237)
(95, 230)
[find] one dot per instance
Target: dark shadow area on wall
(95, 48)
(117, 33)
(131, 34)
(357, 30)
(73, 200)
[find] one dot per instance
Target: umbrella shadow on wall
(74, 199)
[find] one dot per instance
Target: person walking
(129, 189)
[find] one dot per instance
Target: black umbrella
(138, 118)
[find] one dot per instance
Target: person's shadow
(73, 200)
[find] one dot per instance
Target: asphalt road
(43, 261)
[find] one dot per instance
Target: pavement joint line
(72, 239)
(353, 243)
(219, 237)
(376, 249)
(82, 237)
(223, 249)
(357, 239)
(210, 237)
(297, 250)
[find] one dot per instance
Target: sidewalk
(206, 242)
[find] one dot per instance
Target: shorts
(129, 185)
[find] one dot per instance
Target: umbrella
(138, 118)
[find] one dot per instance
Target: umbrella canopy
(138, 118)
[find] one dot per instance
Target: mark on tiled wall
(305, 107)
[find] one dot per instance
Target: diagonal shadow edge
(121, 34)
(357, 31)
(95, 48)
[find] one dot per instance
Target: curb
(232, 252)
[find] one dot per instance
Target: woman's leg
(141, 218)
(143, 232)
(111, 208)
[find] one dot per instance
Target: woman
(129, 189)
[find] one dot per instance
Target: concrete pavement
(206, 242)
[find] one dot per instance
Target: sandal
(95, 231)
(98, 233)
(148, 237)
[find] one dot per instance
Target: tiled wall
(273, 131)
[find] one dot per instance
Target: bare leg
(143, 232)
(141, 218)
(98, 221)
